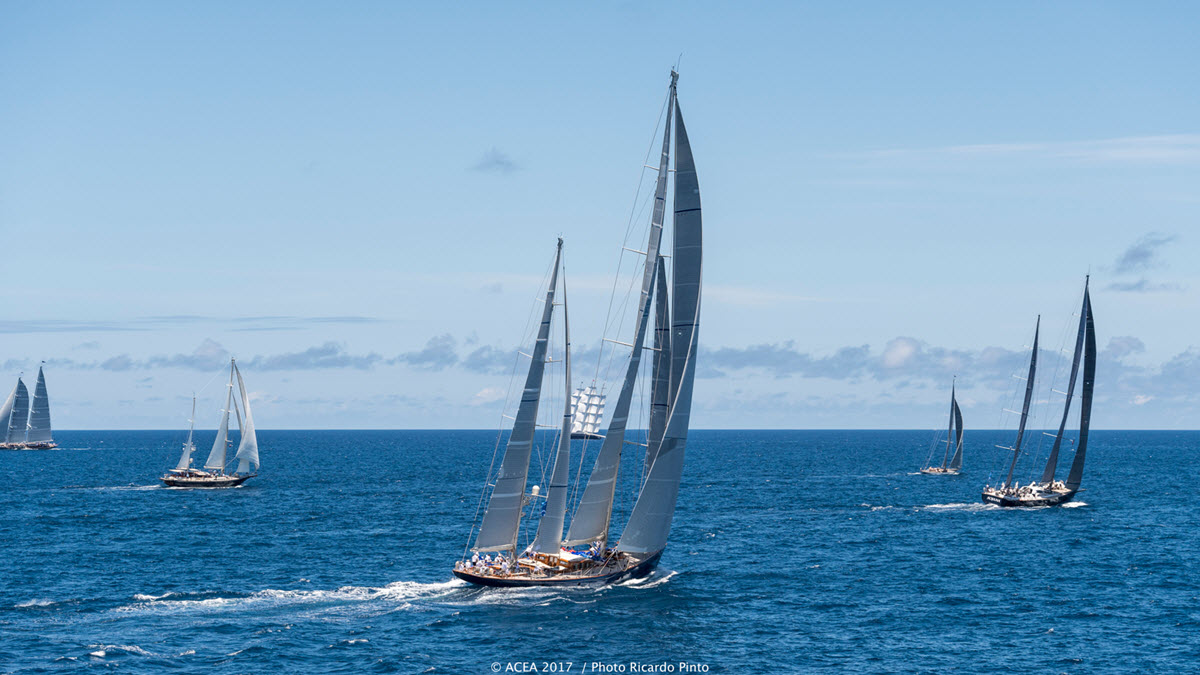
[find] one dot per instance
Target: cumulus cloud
(439, 353)
(328, 355)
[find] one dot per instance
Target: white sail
(39, 412)
(247, 452)
(185, 460)
(587, 410)
(216, 458)
(18, 417)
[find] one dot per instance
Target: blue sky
(359, 201)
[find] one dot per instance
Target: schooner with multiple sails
(583, 553)
(215, 474)
(25, 423)
(1047, 491)
(951, 464)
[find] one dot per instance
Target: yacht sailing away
(214, 474)
(951, 464)
(584, 553)
(25, 425)
(1047, 491)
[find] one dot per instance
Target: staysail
(650, 522)
(661, 371)
(216, 458)
(1075, 477)
(502, 520)
(956, 460)
(550, 527)
(185, 460)
(594, 512)
(39, 412)
(1025, 407)
(247, 452)
(19, 415)
(1052, 461)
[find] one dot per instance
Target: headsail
(216, 458)
(39, 412)
(247, 452)
(550, 527)
(650, 522)
(594, 513)
(1075, 477)
(1025, 407)
(185, 460)
(1052, 461)
(502, 520)
(19, 415)
(956, 460)
(661, 371)
(6, 414)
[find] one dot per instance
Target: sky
(360, 202)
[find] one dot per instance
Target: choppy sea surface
(792, 551)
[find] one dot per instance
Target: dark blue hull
(640, 569)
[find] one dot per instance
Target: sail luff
(1075, 476)
(550, 527)
(1052, 460)
(593, 515)
(39, 412)
(950, 429)
(216, 458)
(650, 522)
(956, 461)
(185, 460)
(502, 519)
(661, 371)
(247, 452)
(1025, 406)
(18, 419)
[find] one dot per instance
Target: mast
(593, 515)
(550, 527)
(1025, 406)
(247, 452)
(39, 412)
(950, 429)
(19, 415)
(956, 460)
(502, 520)
(661, 371)
(1075, 477)
(1052, 461)
(650, 522)
(185, 460)
(216, 458)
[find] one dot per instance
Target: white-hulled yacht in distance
(214, 474)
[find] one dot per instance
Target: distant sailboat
(951, 464)
(26, 426)
(214, 474)
(550, 559)
(587, 411)
(1048, 491)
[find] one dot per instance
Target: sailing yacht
(954, 434)
(587, 409)
(25, 425)
(214, 474)
(584, 554)
(1047, 491)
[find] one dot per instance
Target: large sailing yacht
(951, 464)
(25, 425)
(1047, 491)
(584, 554)
(214, 474)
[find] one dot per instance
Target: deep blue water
(791, 552)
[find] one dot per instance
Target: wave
(103, 651)
(974, 506)
(36, 602)
(400, 591)
(649, 581)
(1074, 505)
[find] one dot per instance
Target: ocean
(792, 551)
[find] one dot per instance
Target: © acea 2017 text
(598, 667)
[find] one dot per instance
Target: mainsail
(1075, 476)
(216, 458)
(185, 460)
(650, 522)
(1052, 461)
(587, 410)
(956, 460)
(550, 528)
(19, 414)
(502, 520)
(247, 452)
(594, 513)
(1025, 407)
(39, 412)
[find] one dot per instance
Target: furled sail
(550, 527)
(650, 522)
(216, 458)
(661, 371)
(1052, 461)
(1025, 406)
(185, 460)
(587, 410)
(1075, 477)
(956, 460)
(594, 512)
(39, 412)
(19, 415)
(247, 452)
(502, 520)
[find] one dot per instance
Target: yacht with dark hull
(1047, 491)
(214, 474)
(583, 554)
(951, 464)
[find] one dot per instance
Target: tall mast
(1025, 406)
(502, 520)
(216, 458)
(593, 515)
(1075, 476)
(950, 429)
(550, 528)
(1052, 461)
